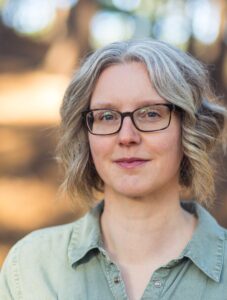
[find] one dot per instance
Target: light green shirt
(68, 262)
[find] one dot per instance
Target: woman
(139, 123)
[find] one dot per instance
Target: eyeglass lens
(107, 121)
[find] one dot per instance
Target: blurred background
(41, 43)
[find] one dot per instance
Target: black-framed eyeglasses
(146, 119)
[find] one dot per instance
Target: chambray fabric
(68, 262)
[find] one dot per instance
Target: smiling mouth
(129, 163)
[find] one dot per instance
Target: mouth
(132, 162)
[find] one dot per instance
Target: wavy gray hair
(178, 78)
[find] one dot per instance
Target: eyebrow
(109, 105)
(103, 105)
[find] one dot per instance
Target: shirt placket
(114, 278)
(156, 284)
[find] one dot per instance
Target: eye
(152, 114)
(105, 116)
(148, 113)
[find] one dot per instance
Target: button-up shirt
(69, 262)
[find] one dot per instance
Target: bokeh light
(172, 23)
(174, 29)
(107, 27)
(206, 21)
(28, 16)
(2, 2)
(65, 4)
(126, 5)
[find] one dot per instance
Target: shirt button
(157, 283)
(116, 279)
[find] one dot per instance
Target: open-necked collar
(205, 249)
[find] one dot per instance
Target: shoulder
(44, 249)
(45, 258)
(40, 242)
(46, 239)
(44, 246)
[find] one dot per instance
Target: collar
(86, 235)
(205, 249)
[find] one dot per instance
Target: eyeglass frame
(172, 107)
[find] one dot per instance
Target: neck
(144, 227)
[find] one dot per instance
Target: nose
(128, 135)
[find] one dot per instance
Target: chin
(134, 192)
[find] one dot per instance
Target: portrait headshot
(140, 125)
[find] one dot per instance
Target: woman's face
(130, 162)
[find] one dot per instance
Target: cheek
(93, 146)
(99, 148)
(170, 147)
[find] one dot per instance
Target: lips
(131, 162)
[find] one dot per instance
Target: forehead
(124, 85)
